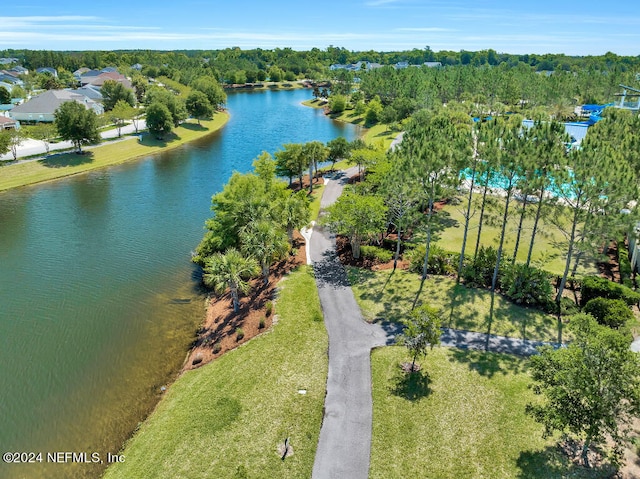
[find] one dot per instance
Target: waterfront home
(43, 107)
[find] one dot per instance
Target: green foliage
(121, 112)
(113, 92)
(198, 105)
(268, 308)
(18, 92)
(159, 119)
(591, 388)
(595, 287)
(568, 307)
(239, 334)
(625, 263)
(5, 96)
(174, 104)
(337, 103)
(421, 331)
(441, 262)
(374, 112)
(358, 217)
(230, 270)
(210, 87)
(262, 323)
(338, 149)
(376, 253)
(77, 124)
(5, 140)
(479, 272)
(613, 313)
(526, 285)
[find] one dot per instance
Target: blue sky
(576, 28)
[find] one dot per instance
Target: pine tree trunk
(572, 239)
(395, 259)
(515, 249)
(467, 218)
(535, 226)
(494, 280)
(484, 196)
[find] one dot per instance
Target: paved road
(345, 438)
(35, 147)
(344, 446)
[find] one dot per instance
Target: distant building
(42, 108)
(432, 64)
(50, 70)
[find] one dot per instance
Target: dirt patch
(218, 334)
(317, 180)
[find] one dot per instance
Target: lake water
(98, 299)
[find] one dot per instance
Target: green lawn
(548, 251)
(315, 202)
(226, 419)
(383, 295)
(67, 164)
(462, 416)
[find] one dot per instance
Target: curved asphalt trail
(345, 437)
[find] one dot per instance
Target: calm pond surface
(98, 298)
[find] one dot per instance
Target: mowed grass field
(67, 164)
(549, 252)
(462, 416)
(384, 295)
(227, 419)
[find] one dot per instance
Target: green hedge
(596, 287)
(609, 312)
(376, 253)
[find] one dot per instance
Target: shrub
(376, 253)
(262, 323)
(623, 261)
(268, 308)
(337, 103)
(596, 287)
(526, 285)
(568, 307)
(441, 262)
(609, 312)
(217, 347)
(479, 272)
(239, 333)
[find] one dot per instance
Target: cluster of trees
(587, 193)
(255, 216)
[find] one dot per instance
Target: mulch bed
(343, 249)
(221, 321)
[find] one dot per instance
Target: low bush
(262, 323)
(623, 261)
(268, 308)
(376, 253)
(526, 285)
(609, 312)
(568, 307)
(596, 287)
(217, 347)
(239, 333)
(479, 272)
(441, 262)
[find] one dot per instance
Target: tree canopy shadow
(489, 364)
(330, 271)
(411, 386)
(552, 463)
(62, 160)
(193, 127)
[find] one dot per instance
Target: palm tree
(295, 212)
(230, 270)
(266, 243)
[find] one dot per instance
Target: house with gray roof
(18, 70)
(91, 92)
(50, 70)
(42, 108)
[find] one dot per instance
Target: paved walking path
(344, 446)
(32, 147)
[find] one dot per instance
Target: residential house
(18, 70)
(91, 92)
(11, 79)
(432, 64)
(8, 61)
(42, 108)
(401, 65)
(137, 67)
(98, 80)
(50, 70)
(7, 123)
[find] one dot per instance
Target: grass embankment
(378, 134)
(389, 296)
(549, 248)
(461, 416)
(112, 153)
(227, 418)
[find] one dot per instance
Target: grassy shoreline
(58, 166)
(229, 418)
